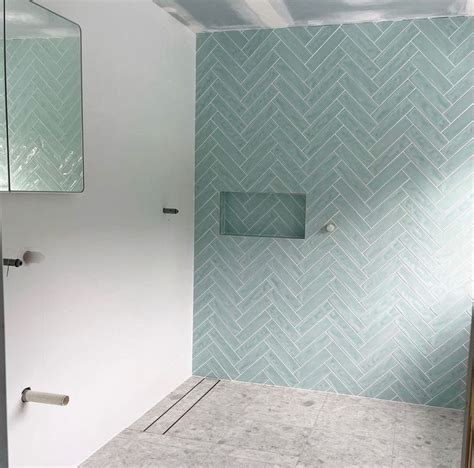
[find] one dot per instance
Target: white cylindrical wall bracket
(330, 227)
(30, 396)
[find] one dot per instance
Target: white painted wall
(107, 316)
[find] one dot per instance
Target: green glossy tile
(370, 121)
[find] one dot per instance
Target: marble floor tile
(355, 416)
(137, 449)
(416, 417)
(239, 432)
(246, 393)
(265, 403)
(235, 424)
(295, 408)
(428, 437)
(334, 449)
(130, 453)
(433, 446)
(230, 395)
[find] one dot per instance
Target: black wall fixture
(12, 262)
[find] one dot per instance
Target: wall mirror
(4, 178)
(41, 145)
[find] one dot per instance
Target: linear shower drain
(163, 423)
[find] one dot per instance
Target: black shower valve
(170, 211)
(12, 262)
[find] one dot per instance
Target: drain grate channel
(190, 408)
(173, 405)
(165, 421)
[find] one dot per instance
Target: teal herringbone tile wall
(45, 115)
(373, 122)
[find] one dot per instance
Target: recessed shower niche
(263, 214)
(41, 147)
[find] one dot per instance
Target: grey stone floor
(220, 423)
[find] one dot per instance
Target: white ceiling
(221, 15)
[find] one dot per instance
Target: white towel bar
(30, 396)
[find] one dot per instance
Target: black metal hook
(170, 211)
(14, 262)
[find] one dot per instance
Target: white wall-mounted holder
(30, 396)
(330, 227)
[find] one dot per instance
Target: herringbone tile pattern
(44, 111)
(3, 129)
(373, 122)
(263, 214)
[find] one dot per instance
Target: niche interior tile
(335, 449)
